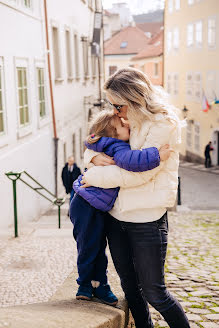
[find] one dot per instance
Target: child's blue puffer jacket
(124, 157)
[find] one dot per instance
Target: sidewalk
(200, 167)
(40, 267)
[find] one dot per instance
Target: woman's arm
(113, 176)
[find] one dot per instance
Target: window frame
(170, 6)
(196, 137)
(177, 5)
(198, 33)
(175, 41)
(58, 70)
(169, 41)
(3, 133)
(191, 39)
(76, 52)
(68, 54)
(213, 18)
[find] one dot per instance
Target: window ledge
(24, 131)
(70, 78)
(59, 79)
(43, 121)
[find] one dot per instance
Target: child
(108, 135)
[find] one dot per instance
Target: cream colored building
(191, 70)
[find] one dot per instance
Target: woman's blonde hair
(129, 86)
(102, 125)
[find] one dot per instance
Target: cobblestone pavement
(35, 264)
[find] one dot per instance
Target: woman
(137, 226)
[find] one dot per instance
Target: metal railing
(14, 176)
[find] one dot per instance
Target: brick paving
(34, 265)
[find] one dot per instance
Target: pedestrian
(208, 149)
(108, 135)
(70, 173)
(137, 225)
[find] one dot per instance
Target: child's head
(107, 124)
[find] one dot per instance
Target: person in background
(70, 173)
(208, 148)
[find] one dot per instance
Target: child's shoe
(84, 293)
(104, 293)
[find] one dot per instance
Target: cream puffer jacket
(143, 190)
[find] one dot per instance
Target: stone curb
(64, 311)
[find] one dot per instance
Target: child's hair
(102, 125)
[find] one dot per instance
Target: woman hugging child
(109, 135)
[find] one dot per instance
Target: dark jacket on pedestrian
(69, 177)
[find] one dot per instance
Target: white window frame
(85, 50)
(212, 32)
(56, 53)
(212, 88)
(190, 35)
(189, 86)
(190, 2)
(76, 47)
(176, 38)
(68, 53)
(2, 95)
(175, 80)
(197, 83)
(177, 4)
(198, 33)
(25, 129)
(169, 83)
(169, 40)
(170, 6)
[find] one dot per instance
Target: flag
(205, 104)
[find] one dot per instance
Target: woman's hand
(165, 152)
(84, 183)
(102, 160)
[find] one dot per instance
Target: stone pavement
(200, 167)
(35, 265)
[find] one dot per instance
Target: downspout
(55, 137)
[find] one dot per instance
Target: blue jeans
(90, 235)
(138, 251)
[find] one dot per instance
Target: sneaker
(84, 293)
(104, 293)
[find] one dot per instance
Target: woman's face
(119, 109)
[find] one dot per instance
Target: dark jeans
(138, 251)
(207, 161)
(90, 235)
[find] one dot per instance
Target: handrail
(14, 176)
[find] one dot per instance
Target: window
(76, 53)
(190, 2)
(112, 70)
(212, 32)
(27, 3)
(156, 69)
(197, 87)
(189, 86)
(169, 82)
(211, 85)
(56, 57)
(198, 33)
(170, 6)
(169, 41)
(177, 4)
(2, 125)
(175, 84)
(124, 44)
(190, 35)
(68, 54)
(41, 91)
(189, 134)
(85, 56)
(22, 90)
(176, 38)
(197, 136)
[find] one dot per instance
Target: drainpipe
(163, 71)
(55, 137)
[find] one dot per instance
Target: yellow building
(191, 71)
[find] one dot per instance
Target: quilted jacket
(124, 157)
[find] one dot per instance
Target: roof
(131, 38)
(152, 27)
(153, 49)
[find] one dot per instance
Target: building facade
(192, 73)
(26, 123)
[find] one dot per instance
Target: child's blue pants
(89, 233)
